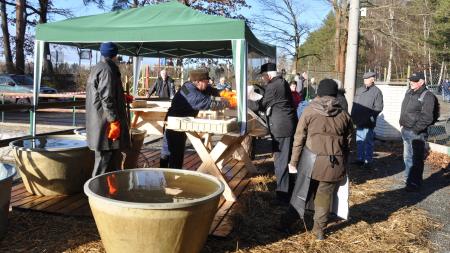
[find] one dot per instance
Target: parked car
(11, 83)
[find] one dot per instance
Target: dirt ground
(383, 217)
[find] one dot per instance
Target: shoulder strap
(422, 96)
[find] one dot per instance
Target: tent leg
(38, 59)
(240, 49)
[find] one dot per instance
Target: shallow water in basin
(50, 143)
(153, 187)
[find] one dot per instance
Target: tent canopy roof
(164, 30)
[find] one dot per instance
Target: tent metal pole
(240, 54)
(38, 59)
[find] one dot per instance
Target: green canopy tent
(164, 30)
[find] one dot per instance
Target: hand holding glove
(128, 98)
(113, 130)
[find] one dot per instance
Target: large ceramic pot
(132, 154)
(153, 210)
(7, 173)
(53, 164)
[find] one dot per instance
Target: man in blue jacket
(193, 96)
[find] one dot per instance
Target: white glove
(292, 169)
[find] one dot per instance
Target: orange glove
(128, 98)
(233, 102)
(113, 130)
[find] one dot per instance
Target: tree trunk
(343, 42)
(6, 43)
(389, 69)
(337, 38)
(430, 67)
(43, 8)
(440, 73)
(20, 36)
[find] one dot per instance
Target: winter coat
(416, 115)
(189, 100)
(105, 103)
(282, 116)
(296, 97)
(326, 130)
(367, 105)
(163, 89)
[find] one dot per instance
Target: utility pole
(352, 52)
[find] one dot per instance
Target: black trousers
(172, 153)
(107, 161)
(282, 149)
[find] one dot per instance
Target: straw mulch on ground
(383, 219)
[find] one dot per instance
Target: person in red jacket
(296, 97)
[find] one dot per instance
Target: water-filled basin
(153, 210)
(7, 173)
(132, 154)
(53, 164)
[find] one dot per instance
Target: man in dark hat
(107, 127)
(193, 96)
(278, 105)
(418, 113)
(320, 151)
(367, 105)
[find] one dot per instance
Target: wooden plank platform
(77, 205)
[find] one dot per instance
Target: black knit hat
(108, 49)
(327, 87)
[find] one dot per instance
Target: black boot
(164, 162)
(287, 220)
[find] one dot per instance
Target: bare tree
(227, 8)
(340, 8)
(6, 42)
(279, 22)
(20, 36)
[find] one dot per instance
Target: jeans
(364, 144)
(301, 107)
(414, 150)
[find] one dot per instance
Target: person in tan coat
(319, 153)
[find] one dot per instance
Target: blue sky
(314, 12)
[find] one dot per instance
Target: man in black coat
(107, 127)
(164, 86)
(416, 116)
(282, 121)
